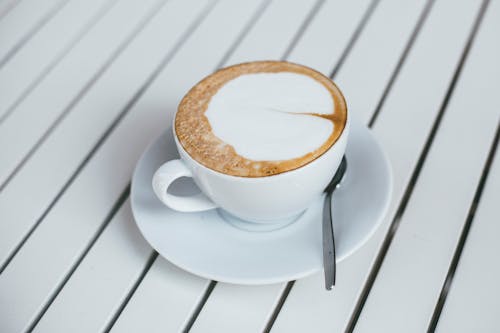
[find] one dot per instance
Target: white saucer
(206, 245)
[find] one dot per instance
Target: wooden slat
(22, 23)
(417, 261)
(79, 214)
(473, 299)
(308, 305)
(112, 266)
(376, 54)
(274, 31)
(328, 35)
(163, 302)
(64, 93)
(234, 308)
(45, 49)
(248, 309)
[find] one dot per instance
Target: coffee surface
(260, 118)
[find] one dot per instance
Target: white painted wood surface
(84, 63)
(472, 303)
(102, 279)
(82, 126)
(424, 244)
(160, 304)
(24, 21)
(50, 44)
(86, 85)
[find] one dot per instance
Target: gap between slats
(401, 61)
(200, 306)
(416, 171)
(364, 20)
(255, 17)
(38, 25)
(464, 234)
(317, 6)
(145, 270)
(108, 218)
(80, 34)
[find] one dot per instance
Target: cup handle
(165, 176)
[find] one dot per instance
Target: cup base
(255, 226)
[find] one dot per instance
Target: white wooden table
(85, 85)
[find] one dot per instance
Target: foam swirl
(260, 118)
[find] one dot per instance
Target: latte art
(259, 119)
(264, 116)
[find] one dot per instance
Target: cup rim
(342, 133)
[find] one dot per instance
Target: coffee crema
(260, 118)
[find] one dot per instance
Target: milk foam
(268, 116)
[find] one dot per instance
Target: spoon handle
(328, 243)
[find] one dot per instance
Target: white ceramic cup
(268, 199)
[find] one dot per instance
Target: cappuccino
(260, 118)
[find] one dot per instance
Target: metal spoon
(328, 237)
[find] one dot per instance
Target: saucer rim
(275, 279)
